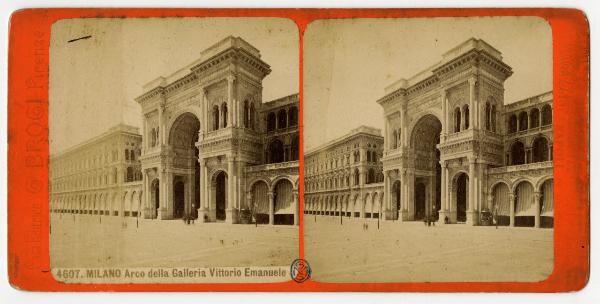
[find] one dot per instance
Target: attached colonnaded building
(210, 148)
(451, 151)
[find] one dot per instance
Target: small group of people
(429, 221)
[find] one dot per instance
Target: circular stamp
(300, 270)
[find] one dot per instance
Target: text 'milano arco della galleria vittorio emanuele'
(210, 149)
(452, 151)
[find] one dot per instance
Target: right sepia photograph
(428, 150)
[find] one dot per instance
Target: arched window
(129, 177)
(356, 177)
(276, 151)
(488, 116)
(295, 150)
(512, 124)
(466, 118)
(252, 115)
(126, 155)
(293, 117)
(517, 152)
(394, 139)
(493, 118)
(369, 156)
(281, 119)
(371, 176)
(540, 150)
(534, 116)
(271, 121)
(523, 119)
(374, 156)
(215, 114)
(457, 120)
(132, 155)
(246, 114)
(546, 115)
(224, 109)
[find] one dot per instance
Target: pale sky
(349, 62)
(93, 82)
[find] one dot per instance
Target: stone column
(362, 206)
(386, 197)
(147, 197)
(410, 204)
(471, 218)
(511, 199)
(296, 207)
(204, 204)
(472, 106)
(387, 136)
(230, 208)
(536, 204)
(403, 211)
(271, 208)
(161, 126)
(231, 110)
(403, 123)
(361, 175)
(145, 135)
(167, 213)
(443, 195)
(205, 114)
(444, 115)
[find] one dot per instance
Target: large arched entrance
(260, 202)
(524, 205)
(283, 200)
(220, 186)
(427, 191)
(501, 204)
(547, 204)
(183, 136)
(461, 190)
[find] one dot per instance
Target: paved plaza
(95, 241)
(411, 251)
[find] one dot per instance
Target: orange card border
(28, 245)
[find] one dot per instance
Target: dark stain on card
(80, 38)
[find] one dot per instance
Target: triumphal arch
(450, 140)
(204, 130)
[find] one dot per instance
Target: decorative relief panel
(458, 95)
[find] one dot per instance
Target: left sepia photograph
(174, 150)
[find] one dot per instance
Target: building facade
(343, 177)
(210, 149)
(454, 152)
(206, 128)
(100, 176)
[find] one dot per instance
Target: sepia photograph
(428, 150)
(174, 147)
